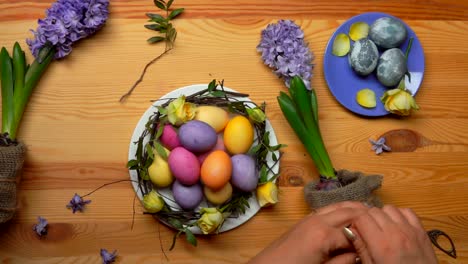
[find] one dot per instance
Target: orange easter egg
(216, 170)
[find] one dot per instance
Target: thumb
(359, 246)
(346, 258)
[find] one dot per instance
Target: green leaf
(159, 132)
(169, 4)
(149, 151)
(266, 138)
(302, 100)
(263, 174)
(132, 163)
(218, 94)
(160, 4)
(190, 237)
(19, 67)
(274, 157)
(314, 105)
(153, 16)
(171, 34)
(212, 85)
(7, 87)
(175, 13)
(154, 27)
(139, 151)
(153, 40)
(144, 174)
(32, 77)
(175, 223)
(255, 149)
(160, 150)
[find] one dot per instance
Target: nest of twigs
(266, 156)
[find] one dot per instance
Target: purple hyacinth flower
(77, 203)
(41, 227)
(107, 257)
(284, 50)
(66, 22)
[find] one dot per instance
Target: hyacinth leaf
(314, 105)
(19, 66)
(311, 139)
(302, 99)
(358, 30)
(341, 45)
(366, 98)
(7, 86)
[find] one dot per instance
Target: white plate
(230, 223)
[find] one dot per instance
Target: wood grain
(78, 134)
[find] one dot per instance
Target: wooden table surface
(78, 133)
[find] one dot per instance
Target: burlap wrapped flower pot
(355, 186)
(11, 163)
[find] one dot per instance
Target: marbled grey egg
(392, 67)
(387, 32)
(363, 57)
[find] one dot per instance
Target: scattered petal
(77, 203)
(358, 30)
(366, 98)
(107, 257)
(41, 226)
(379, 145)
(341, 45)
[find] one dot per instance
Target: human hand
(391, 235)
(316, 239)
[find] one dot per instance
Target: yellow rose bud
(256, 114)
(399, 101)
(152, 202)
(267, 194)
(179, 112)
(210, 221)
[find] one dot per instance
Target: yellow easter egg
(214, 116)
(218, 196)
(238, 135)
(160, 173)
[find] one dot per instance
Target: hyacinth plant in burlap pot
(67, 21)
(284, 50)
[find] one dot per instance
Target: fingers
(346, 258)
(336, 206)
(361, 248)
(395, 214)
(412, 218)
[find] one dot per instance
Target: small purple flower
(107, 257)
(379, 145)
(77, 203)
(284, 50)
(66, 22)
(41, 226)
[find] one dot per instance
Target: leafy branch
(167, 33)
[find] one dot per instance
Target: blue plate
(344, 83)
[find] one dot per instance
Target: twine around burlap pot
(355, 187)
(11, 163)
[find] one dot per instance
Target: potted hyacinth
(284, 50)
(66, 22)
